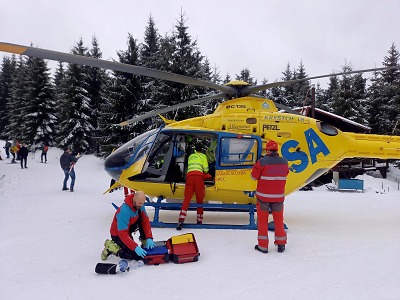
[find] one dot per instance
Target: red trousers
(262, 223)
(194, 185)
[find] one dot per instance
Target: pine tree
(6, 77)
(329, 95)
(286, 92)
(77, 128)
(39, 112)
(96, 82)
(186, 60)
(18, 101)
(301, 90)
(246, 77)
(348, 101)
(212, 75)
(227, 78)
(60, 98)
(384, 96)
(391, 88)
(375, 113)
(122, 102)
(150, 57)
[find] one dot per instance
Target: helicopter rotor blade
(254, 89)
(117, 66)
(173, 107)
(286, 108)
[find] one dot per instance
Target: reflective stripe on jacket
(270, 172)
(198, 162)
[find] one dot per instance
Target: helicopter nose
(114, 164)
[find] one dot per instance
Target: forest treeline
(81, 106)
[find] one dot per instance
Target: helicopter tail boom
(375, 146)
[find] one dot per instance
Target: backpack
(45, 148)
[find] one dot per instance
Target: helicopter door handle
(253, 109)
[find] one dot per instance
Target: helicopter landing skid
(222, 207)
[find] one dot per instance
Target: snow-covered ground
(340, 245)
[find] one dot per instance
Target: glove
(150, 244)
(207, 176)
(140, 251)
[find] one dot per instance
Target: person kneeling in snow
(130, 217)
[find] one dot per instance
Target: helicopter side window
(327, 128)
(238, 151)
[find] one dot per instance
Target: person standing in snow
(7, 147)
(67, 163)
(23, 154)
(130, 217)
(43, 156)
(18, 144)
(33, 150)
(13, 150)
(270, 172)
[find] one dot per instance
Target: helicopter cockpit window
(128, 153)
(238, 151)
(327, 128)
(159, 154)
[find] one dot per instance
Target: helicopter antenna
(305, 98)
(394, 128)
(176, 113)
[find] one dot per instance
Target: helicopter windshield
(127, 154)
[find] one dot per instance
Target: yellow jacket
(198, 162)
(14, 149)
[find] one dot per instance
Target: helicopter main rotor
(231, 90)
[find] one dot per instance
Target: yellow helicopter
(235, 134)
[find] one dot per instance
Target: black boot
(180, 225)
(281, 248)
(264, 250)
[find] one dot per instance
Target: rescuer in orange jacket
(197, 169)
(270, 172)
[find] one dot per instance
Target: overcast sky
(260, 35)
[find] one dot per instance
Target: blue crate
(351, 184)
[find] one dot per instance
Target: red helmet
(271, 146)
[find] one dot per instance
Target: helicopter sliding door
(236, 156)
(167, 161)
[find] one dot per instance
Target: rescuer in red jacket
(270, 172)
(130, 217)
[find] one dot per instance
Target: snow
(341, 245)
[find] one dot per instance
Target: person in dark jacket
(23, 154)
(7, 147)
(43, 156)
(270, 172)
(67, 163)
(130, 217)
